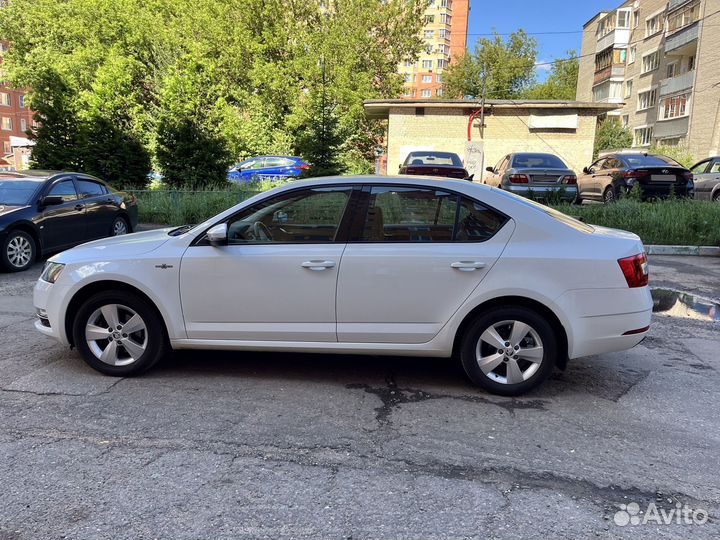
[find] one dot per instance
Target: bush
(681, 154)
(611, 135)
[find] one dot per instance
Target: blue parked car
(267, 168)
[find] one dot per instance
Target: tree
(611, 134)
(508, 67)
(562, 81)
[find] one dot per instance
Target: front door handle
(467, 266)
(317, 266)
(79, 207)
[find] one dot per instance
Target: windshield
(559, 216)
(650, 161)
(17, 192)
(433, 158)
(544, 161)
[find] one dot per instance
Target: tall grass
(672, 221)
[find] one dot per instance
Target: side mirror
(470, 178)
(51, 200)
(490, 169)
(587, 170)
(218, 235)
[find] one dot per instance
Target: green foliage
(562, 81)
(193, 85)
(681, 154)
(611, 134)
(508, 65)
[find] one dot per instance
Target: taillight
(519, 179)
(635, 174)
(303, 167)
(571, 179)
(635, 270)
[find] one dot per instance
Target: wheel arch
(102, 286)
(521, 301)
(31, 229)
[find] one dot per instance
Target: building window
(683, 17)
(643, 136)
(623, 18)
(408, 93)
(625, 120)
(439, 92)
(427, 79)
(426, 93)
(628, 89)
(672, 70)
(445, 18)
(444, 33)
(632, 55)
(7, 123)
(445, 3)
(427, 64)
(429, 34)
(429, 19)
(431, 3)
(7, 149)
(409, 63)
(674, 107)
(653, 25)
(409, 77)
(21, 101)
(636, 18)
(5, 99)
(691, 63)
(650, 62)
(439, 78)
(429, 48)
(442, 64)
(23, 125)
(647, 99)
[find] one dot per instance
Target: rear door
(414, 256)
(100, 206)
(703, 178)
(62, 225)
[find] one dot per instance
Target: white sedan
(365, 265)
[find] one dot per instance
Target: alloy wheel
(509, 352)
(609, 195)
(119, 227)
(116, 335)
(19, 251)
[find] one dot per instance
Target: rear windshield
(559, 216)
(545, 161)
(433, 158)
(15, 192)
(650, 161)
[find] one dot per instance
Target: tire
(119, 226)
(716, 197)
(578, 200)
(19, 251)
(480, 341)
(609, 195)
(122, 353)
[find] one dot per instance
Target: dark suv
(431, 163)
(614, 175)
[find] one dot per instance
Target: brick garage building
(563, 128)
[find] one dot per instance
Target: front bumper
(53, 323)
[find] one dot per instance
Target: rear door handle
(317, 266)
(79, 207)
(467, 266)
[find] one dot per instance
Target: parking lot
(284, 445)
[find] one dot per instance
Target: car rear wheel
(509, 350)
(119, 227)
(18, 251)
(119, 333)
(609, 195)
(716, 197)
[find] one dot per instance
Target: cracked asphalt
(231, 445)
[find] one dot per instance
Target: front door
(276, 278)
(413, 258)
(62, 225)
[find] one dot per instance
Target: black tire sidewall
(157, 339)
(4, 258)
(492, 316)
(119, 218)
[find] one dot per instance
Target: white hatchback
(365, 265)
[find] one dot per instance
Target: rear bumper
(660, 191)
(566, 192)
(606, 320)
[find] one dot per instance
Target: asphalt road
(298, 446)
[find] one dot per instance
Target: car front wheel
(509, 350)
(18, 251)
(119, 333)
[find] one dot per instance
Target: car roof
(400, 180)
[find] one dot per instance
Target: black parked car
(614, 175)
(431, 163)
(46, 211)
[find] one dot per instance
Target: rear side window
(410, 215)
(90, 188)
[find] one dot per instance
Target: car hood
(7, 209)
(127, 245)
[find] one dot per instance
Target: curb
(696, 251)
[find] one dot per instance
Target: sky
(506, 16)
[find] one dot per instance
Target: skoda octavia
(376, 265)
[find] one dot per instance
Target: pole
(482, 104)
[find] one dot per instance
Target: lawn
(674, 222)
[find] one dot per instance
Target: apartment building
(660, 60)
(15, 118)
(445, 35)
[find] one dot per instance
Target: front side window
(700, 167)
(64, 189)
(310, 216)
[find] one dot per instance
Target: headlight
(52, 271)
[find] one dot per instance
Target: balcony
(674, 4)
(677, 127)
(618, 38)
(610, 72)
(682, 37)
(677, 84)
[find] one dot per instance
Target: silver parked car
(534, 175)
(706, 175)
